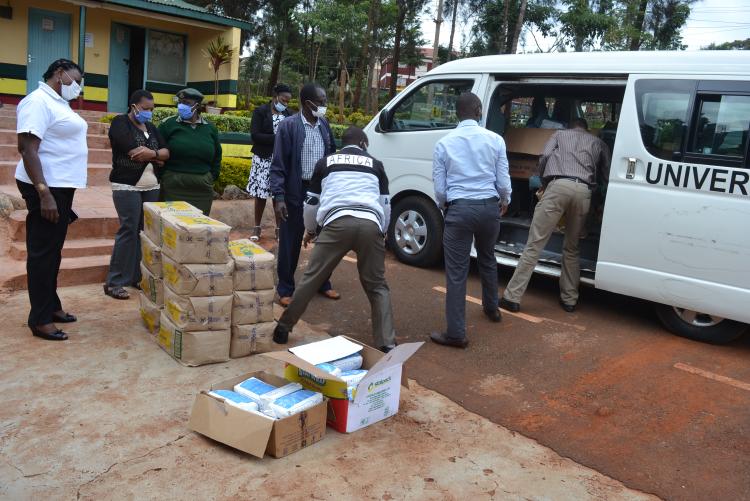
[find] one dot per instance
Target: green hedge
(225, 123)
(234, 171)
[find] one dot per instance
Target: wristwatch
(41, 187)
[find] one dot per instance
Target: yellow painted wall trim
(12, 86)
(95, 94)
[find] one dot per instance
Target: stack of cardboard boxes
(252, 309)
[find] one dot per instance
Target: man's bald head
(468, 107)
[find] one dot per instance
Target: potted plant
(218, 53)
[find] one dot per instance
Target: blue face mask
(279, 107)
(185, 111)
(142, 116)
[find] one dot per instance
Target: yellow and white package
(251, 338)
(210, 313)
(150, 313)
(193, 348)
(152, 286)
(152, 212)
(188, 238)
(252, 307)
(198, 279)
(151, 255)
(254, 267)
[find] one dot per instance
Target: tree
(407, 10)
(279, 17)
(585, 23)
(734, 45)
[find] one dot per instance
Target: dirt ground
(104, 415)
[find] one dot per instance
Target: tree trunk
(342, 83)
(635, 42)
(374, 57)
(453, 29)
(397, 47)
(278, 53)
(436, 44)
(519, 26)
(363, 56)
(503, 42)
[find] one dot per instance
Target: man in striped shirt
(347, 208)
(572, 163)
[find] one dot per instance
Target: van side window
(663, 110)
(431, 106)
(721, 125)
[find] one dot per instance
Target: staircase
(90, 239)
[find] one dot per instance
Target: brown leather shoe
(332, 294)
(285, 301)
(442, 338)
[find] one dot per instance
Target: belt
(569, 178)
(471, 201)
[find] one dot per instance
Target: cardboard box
(528, 141)
(252, 307)
(152, 286)
(150, 313)
(211, 313)
(198, 279)
(253, 338)
(188, 238)
(151, 255)
(522, 166)
(254, 267)
(193, 348)
(152, 212)
(376, 396)
(250, 432)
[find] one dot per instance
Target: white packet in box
(235, 400)
(350, 363)
(267, 398)
(329, 368)
(295, 402)
(253, 388)
(353, 378)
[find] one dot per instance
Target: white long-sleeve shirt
(470, 163)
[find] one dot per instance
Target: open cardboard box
(376, 397)
(253, 433)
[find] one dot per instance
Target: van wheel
(416, 232)
(699, 326)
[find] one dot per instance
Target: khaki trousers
(562, 197)
(337, 238)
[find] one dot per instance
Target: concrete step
(73, 271)
(91, 223)
(98, 174)
(96, 155)
(74, 247)
(10, 110)
(95, 127)
(9, 136)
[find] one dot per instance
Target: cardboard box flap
(396, 356)
(527, 140)
(290, 358)
(326, 350)
(243, 430)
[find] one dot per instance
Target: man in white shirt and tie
(472, 186)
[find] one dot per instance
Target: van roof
(718, 62)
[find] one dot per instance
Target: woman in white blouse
(54, 158)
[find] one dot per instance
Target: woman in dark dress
(138, 151)
(266, 119)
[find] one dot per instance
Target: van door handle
(630, 174)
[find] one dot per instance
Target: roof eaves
(182, 11)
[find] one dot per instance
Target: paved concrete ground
(103, 416)
(606, 386)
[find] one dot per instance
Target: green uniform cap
(190, 93)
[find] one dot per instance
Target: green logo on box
(374, 385)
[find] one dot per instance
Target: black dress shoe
(442, 338)
(280, 334)
(65, 318)
(386, 349)
(509, 305)
(570, 308)
(58, 335)
(494, 315)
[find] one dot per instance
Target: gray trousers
(124, 266)
(561, 197)
(477, 220)
(345, 234)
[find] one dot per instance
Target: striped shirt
(575, 153)
(313, 148)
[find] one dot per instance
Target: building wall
(14, 40)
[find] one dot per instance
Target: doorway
(49, 40)
(126, 63)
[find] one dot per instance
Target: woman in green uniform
(195, 154)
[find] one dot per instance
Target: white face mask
(70, 91)
(320, 112)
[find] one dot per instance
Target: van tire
(424, 216)
(722, 332)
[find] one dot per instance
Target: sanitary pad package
(353, 378)
(235, 399)
(329, 368)
(350, 363)
(295, 402)
(266, 399)
(253, 388)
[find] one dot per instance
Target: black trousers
(44, 243)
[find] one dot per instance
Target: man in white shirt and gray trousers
(472, 185)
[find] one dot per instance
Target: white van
(672, 226)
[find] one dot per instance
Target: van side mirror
(384, 120)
